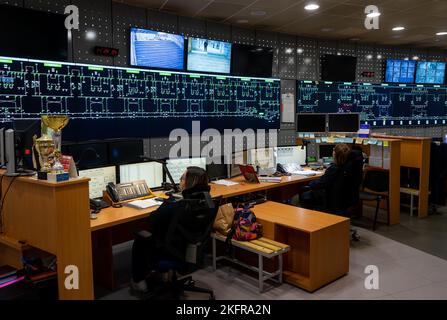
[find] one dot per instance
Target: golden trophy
(56, 123)
(44, 147)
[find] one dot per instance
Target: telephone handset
(128, 191)
(113, 192)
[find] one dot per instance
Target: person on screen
(205, 46)
(146, 252)
(319, 186)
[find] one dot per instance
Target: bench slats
(263, 245)
(275, 243)
(266, 245)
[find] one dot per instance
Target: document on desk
(144, 204)
(305, 173)
(227, 183)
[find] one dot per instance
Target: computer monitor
(178, 166)
(400, 71)
(151, 172)
(155, 49)
(123, 151)
(262, 158)
(99, 178)
(209, 55)
(311, 122)
(25, 130)
(2, 148)
(88, 155)
(217, 171)
(430, 72)
(291, 155)
(325, 150)
(344, 122)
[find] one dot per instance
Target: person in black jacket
(318, 188)
(146, 252)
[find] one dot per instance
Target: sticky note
(386, 143)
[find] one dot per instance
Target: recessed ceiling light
(338, 53)
(369, 56)
(311, 7)
(415, 58)
(288, 50)
(90, 35)
(242, 21)
(398, 28)
(300, 50)
(258, 13)
(443, 33)
(379, 56)
(373, 14)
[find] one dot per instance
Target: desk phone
(129, 191)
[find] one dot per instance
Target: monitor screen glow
(430, 72)
(151, 172)
(177, 167)
(155, 49)
(209, 55)
(99, 178)
(400, 71)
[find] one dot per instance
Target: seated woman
(318, 188)
(146, 252)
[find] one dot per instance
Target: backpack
(245, 227)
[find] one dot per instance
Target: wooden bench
(264, 248)
(412, 193)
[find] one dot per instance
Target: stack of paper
(227, 183)
(144, 204)
(270, 179)
(304, 173)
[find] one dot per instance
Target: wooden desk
(53, 217)
(415, 153)
(319, 243)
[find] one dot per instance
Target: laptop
(249, 173)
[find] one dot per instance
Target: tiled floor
(404, 273)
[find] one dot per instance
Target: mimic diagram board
(379, 104)
(120, 102)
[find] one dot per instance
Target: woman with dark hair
(319, 186)
(145, 252)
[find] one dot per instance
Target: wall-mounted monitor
(338, 68)
(400, 71)
(32, 34)
(430, 72)
(209, 56)
(155, 49)
(311, 122)
(252, 61)
(344, 122)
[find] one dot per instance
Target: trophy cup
(56, 123)
(44, 147)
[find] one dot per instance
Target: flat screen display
(430, 72)
(99, 178)
(156, 49)
(32, 34)
(338, 68)
(307, 122)
(209, 55)
(252, 61)
(151, 172)
(344, 122)
(400, 71)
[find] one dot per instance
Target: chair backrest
(192, 223)
(376, 180)
(344, 192)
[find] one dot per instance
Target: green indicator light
(221, 78)
(5, 61)
(133, 71)
(307, 81)
(165, 74)
(96, 68)
(245, 79)
(194, 76)
(269, 80)
(328, 82)
(52, 65)
(348, 83)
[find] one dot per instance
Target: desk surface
(112, 216)
(296, 218)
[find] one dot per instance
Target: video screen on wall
(156, 49)
(400, 71)
(430, 72)
(209, 55)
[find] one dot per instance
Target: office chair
(187, 236)
(375, 188)
(343, 195)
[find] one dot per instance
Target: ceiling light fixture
(90, 35)
(379, 56)
(415, 58)
(311, 7)
(443, 33)
(300, 50)
(398, 28)
(373, 14)
(369, 56)
(258, 13)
